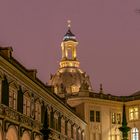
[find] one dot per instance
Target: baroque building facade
(24, 99)
(68, 107)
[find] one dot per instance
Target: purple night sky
(108, 32)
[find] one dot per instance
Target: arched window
(135, 134)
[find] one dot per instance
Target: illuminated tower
(69, 45)
(69, 80)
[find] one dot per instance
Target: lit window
(135, 134)
(116, 118)
(74, 88)
(26, 105)
(12, 97)
(133, 113)
(113, 118)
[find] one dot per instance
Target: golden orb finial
(69, 23)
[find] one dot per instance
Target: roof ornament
(101, 88)
(69, 24)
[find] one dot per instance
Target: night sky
(108, 32)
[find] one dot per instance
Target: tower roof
(69, 35)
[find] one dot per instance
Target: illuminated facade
(102, 112)
(69, 79)
(68, 107)
(24, 99)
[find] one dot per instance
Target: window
(135, 134)
(69, 130)
(12, 97)
(116, 118)
(72, 130)
(63, 126)
(55, 123)
(26, 105)
(37, 111)
(113, 118)
(97, 116)
(92, 116)
(115, 137)
(49, 122)
(66, 127)
(74, 89)
(115, 134)
(133, 113)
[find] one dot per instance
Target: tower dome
(69, 79)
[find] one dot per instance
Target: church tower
(69, 45)
(69, 80)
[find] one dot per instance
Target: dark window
(92, 116)
(20, 101)
(72, 131)
(5, 92)
(97, 116)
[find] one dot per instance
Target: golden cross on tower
(69, 23)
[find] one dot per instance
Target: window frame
(26, 104)
(135, 134)
(133, 113)
(13, 97)
(95, 116)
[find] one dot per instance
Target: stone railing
(12, 115)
